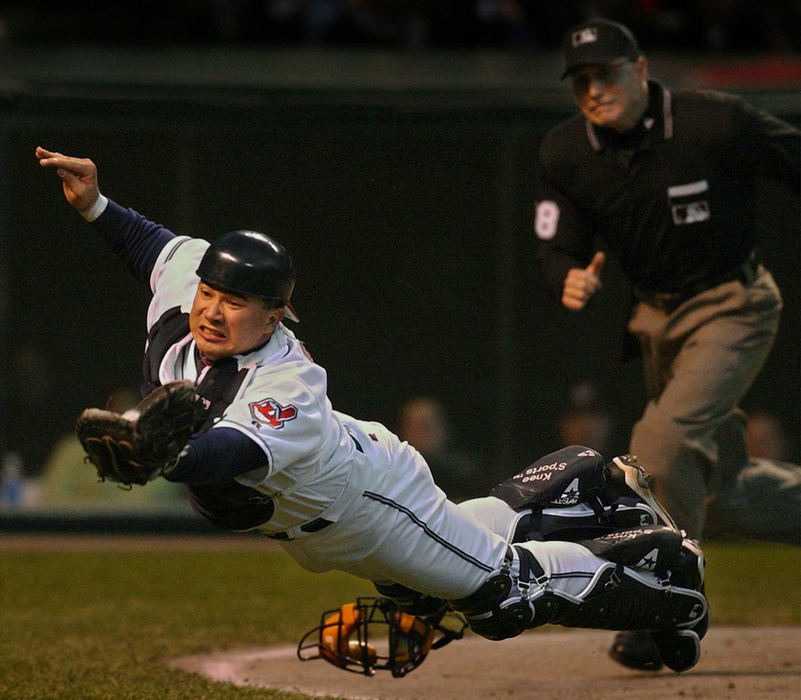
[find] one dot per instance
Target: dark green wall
(410, 220)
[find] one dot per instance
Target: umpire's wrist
(96, 209)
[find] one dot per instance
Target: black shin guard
(621, 599)
(651, 548)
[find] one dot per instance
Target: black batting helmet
(249, 262)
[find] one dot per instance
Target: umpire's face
(225, 324)
(614, 95)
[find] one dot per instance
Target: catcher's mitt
(133, 448)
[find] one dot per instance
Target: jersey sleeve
(285, 417)
(173, 280)
(564, 238)
(216, 455)
(134, 238)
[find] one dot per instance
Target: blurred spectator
(423, 423)
(17, 491)
(716, 25)
(122, 399)
(27, 405)
(11, 480)
(586, 421)
(766, 437)
(502, 23)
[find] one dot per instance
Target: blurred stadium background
(391, 146)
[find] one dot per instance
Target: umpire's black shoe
(636, 649)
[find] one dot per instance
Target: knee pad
(500, 608)
(493, 613)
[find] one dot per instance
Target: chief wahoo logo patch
(272, 413)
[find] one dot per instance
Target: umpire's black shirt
(673, 198)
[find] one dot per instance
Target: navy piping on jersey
(174, 250)
(433, 535)
(573, 574)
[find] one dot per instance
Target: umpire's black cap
(598, 42)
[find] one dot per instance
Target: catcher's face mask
(371, 635)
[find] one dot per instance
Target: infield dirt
(754, 663)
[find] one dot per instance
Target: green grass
(77, 624)
(753, 584)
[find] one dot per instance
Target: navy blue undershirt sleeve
(137, 240)
(219, 454)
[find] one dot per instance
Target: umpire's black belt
(668, 302)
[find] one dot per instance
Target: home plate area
(736, 662)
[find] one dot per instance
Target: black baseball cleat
(636, 649)
(678, 649)
(642, 650)
(639, 482)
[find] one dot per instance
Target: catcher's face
(225, 324)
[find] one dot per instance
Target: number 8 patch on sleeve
(546, 219)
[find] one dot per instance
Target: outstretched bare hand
(78, 177)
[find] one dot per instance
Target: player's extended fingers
(80, 167)
(78, 177)
(49, 158)
(44, 153)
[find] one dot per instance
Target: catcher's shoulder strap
(168, 330)
(221, 382)
(572, 475)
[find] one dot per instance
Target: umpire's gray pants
(699, 362)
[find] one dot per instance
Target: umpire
(666, 178)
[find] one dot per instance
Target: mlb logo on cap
(584, 36)
(598, 42)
